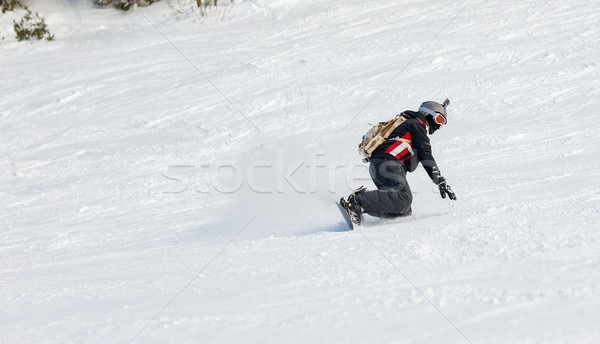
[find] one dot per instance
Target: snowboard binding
(352, 208)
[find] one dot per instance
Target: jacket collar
(418, 115)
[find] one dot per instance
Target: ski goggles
(439, 119)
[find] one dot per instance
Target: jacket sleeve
(422, 144)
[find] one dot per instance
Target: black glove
(445, 189)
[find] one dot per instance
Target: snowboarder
(407, 146)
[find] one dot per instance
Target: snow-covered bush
(32, 27)
(9, 5)
(124, 5)
(204, 5)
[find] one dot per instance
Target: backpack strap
(393, 124)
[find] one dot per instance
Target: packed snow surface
(170, 178)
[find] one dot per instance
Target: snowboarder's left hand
(445, 189)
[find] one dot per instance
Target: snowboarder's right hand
(445, 189)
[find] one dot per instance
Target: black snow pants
(393, 197)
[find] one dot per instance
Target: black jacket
(411, 154)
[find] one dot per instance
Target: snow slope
(170, 178)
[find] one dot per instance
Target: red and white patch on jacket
(401, 149)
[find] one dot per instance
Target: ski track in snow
(113, 229)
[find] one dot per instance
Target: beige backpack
(378, 134)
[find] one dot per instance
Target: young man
(406, 147)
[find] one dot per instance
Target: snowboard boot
(354, 210)
(406, 213)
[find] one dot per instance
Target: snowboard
(346, 216)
